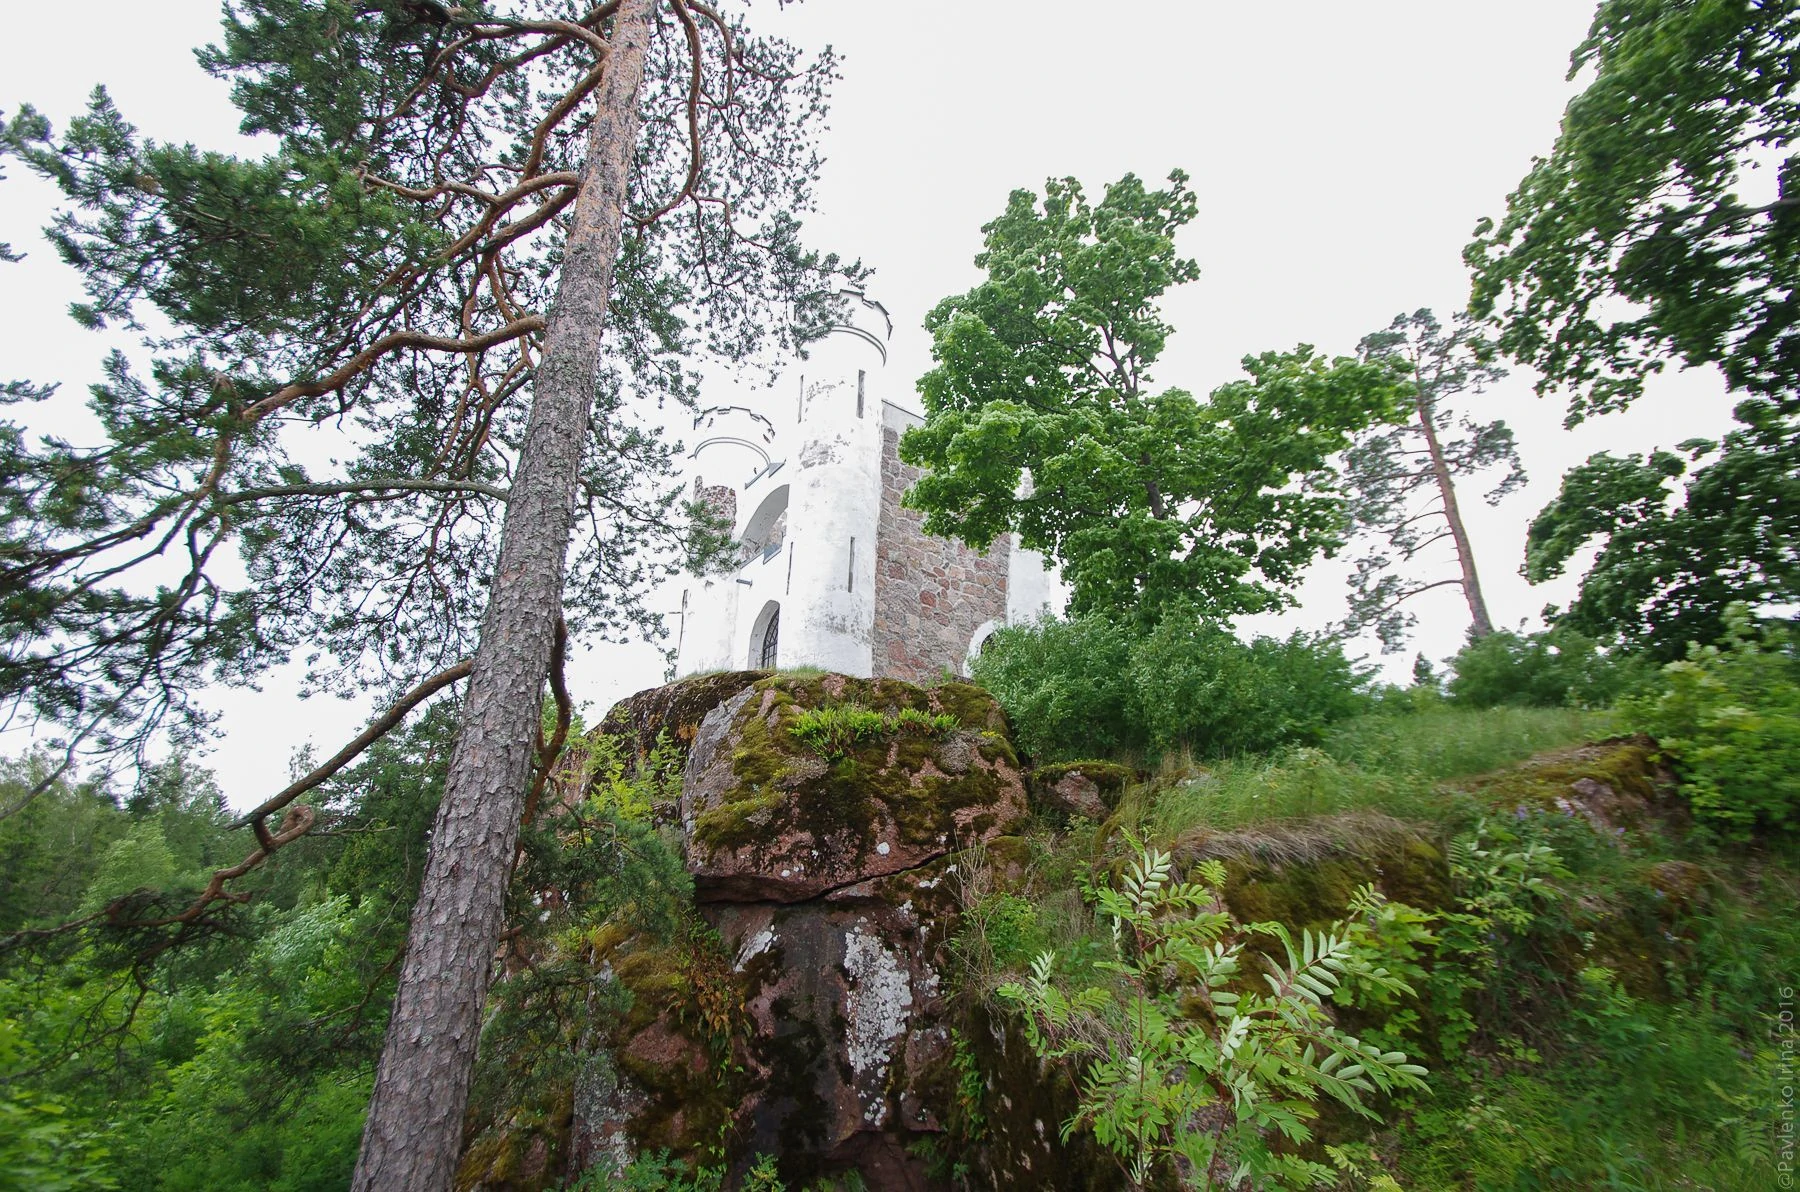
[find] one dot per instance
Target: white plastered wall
(827, 448)
(829, 617)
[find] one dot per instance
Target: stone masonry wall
(931, 594)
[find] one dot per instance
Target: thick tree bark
(413, 1136)
(1480, 624)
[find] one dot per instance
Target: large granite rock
(832, 885)
(768, 819)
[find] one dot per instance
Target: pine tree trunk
(1480, 625)
(413, 1137)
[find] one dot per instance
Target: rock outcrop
(830, 879)
(837, 832)
(768, 819)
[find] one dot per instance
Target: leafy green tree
(484, 233)
(1632, 244)
(1389, 467)
(1042, 418)
(1669, 565)
(1639, 199)
(48, 850)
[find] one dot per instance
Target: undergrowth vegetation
(1409, 941)
(1589, 945)
(1092, 686)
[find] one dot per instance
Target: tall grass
(1455, 742)
(1391, 765)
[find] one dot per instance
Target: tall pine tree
(486, 238)
(1402, 477)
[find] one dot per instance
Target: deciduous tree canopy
(1042, 418)
(1634, 243)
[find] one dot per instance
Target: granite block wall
(931, 594)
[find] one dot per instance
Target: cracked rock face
(831, 883)
(847, 1040)
(769, 819)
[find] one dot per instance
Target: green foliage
(1091, 686)
(1152, 1066)
(1631, 245)
(601, 767)
(1502, 885)
(1639, 199)
(1145, 498)
(835, 730)
(1729, 716)
(656, 1172)
(1668, 569)
(230, 1058)
(41, 1148)
(1066, 686)
(1555, 668)
(51, 845)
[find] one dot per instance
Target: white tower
(833, 570)
(837, 497)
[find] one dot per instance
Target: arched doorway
(978, 643)
(765, 637)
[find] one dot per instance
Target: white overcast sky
(1342, 151)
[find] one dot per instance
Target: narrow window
(800, 402)
(850, 581)
(861, 376)
(790, 576)
(771, 640)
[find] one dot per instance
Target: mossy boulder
(815, 1025)
(666, 1074)
(768, 817)
(675, 708)
(1617, 786)
(1085, 788)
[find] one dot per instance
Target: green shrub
(1200, 687)
(1557, 668)
(1729, 717)
(1066, 685)
(1198, 1057)
(1091, 687)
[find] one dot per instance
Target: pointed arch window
(771, 641)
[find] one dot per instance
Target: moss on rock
(677, 708)
(1615, 785)
(769, 818)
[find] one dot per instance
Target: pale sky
(1341, 152)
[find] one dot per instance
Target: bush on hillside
(1556, 668)
(1090, 687)
(1066, 685)
(1199, 686)
(1729, 717)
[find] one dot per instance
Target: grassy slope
(1623, 1036)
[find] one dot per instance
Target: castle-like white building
(834, 572)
